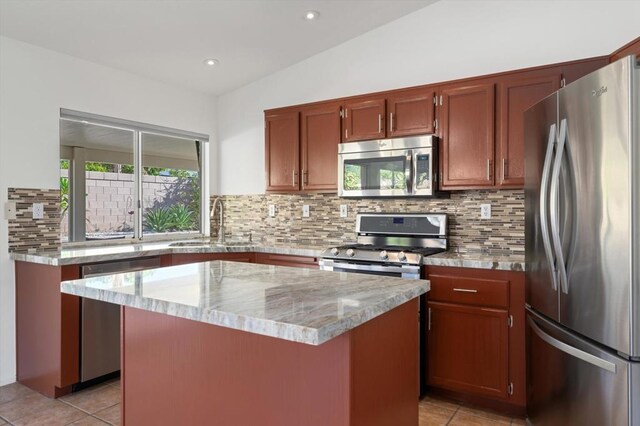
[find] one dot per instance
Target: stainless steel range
(392, 244)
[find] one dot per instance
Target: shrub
(158, 219)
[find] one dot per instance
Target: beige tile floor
(100, 405)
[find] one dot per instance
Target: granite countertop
(479, 261)
(100, 253)
(296, 304)
(77, 255)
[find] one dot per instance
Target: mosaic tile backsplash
(501, 235)
(28, 234)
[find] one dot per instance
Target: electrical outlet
(305, 210)
(38, 210)
(272, 210)
(10, 210)
(343, 210)
(485, 211)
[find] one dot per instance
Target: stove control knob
(402, 257)
(351, 252)
(384, 255)
(335, 251)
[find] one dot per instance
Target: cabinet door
(467, 349)
(364, 120)
(466, 117)
(319, 143)
(282, 141)
(411, 113)
(516, 93)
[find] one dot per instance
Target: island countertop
(295, 304)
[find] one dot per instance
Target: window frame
(77, 227)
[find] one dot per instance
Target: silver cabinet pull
(293, 178)
(305, 177)
(488, 169)
(465, 290)
(504, 169)
(379, 123)
(391, 122)
(346, 133)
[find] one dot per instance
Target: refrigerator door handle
(570, 350)
(554, 208)
(544, 185)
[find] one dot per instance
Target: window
(120, 179)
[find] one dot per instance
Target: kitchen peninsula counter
(233, 343)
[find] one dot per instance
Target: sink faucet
(216, 201)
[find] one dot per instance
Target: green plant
(181, 217)
(64, 195)
(158, 219)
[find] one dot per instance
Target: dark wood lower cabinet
(475, 336)
(287, 260)
(467, 349)
(184, 258)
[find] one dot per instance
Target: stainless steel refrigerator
(582, 237)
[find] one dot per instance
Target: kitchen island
(230, 343)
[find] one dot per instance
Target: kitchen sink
(191, 244)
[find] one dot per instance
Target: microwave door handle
(409, 172)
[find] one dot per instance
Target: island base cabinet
(178, 371)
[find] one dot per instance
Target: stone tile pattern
(502, 235)
(27, 234)
(100, 405)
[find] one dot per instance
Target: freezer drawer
(573, 382)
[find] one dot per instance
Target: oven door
(385, 173)
(423, 173)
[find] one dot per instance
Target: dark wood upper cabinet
(411, 113)
(363, 120)
(282, 142)
(574, 70)
(631, 48)
(319, 142)
(466, 127)
(517, 93)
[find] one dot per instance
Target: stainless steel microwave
(403, 167)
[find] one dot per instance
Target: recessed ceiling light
(211, 62)
(311, 15)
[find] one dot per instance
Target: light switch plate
(272, 210)
(10, 210)
(485, 211)
(343, 210)
(305, 210)
(38, 211)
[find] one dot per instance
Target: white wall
(34, 84)
(447, 40)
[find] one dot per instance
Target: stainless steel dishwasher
(100, 321)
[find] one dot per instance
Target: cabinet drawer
(469, 291)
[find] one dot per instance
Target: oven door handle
(376, 268)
